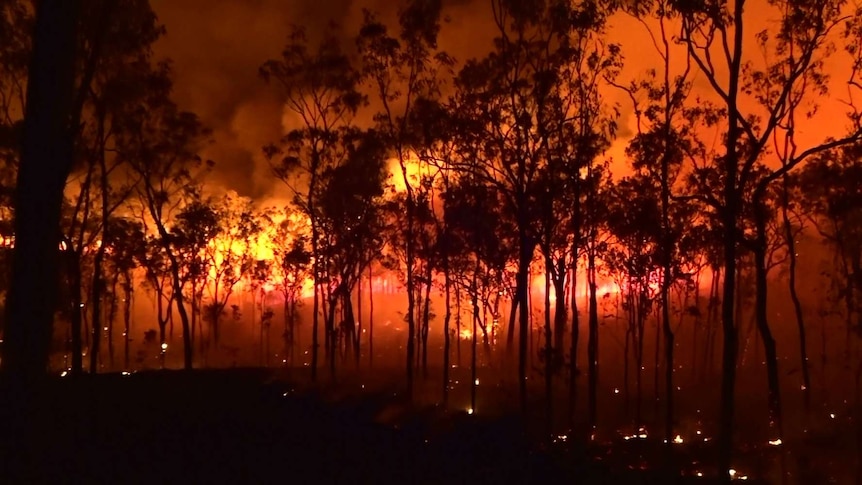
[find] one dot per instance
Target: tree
(321, 88)
(402, 70)
(352, 227)
(46, 159)
(827, 187)
(520, 97)
(194, 230)
(660, 148)
(792, 72)
(228, 253)
(292, 261)
(127, 244)
(634, 219)
(160, 146)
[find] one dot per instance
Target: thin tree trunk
(447, 345)
(426, 317)
(458, 322)
(573, 350)
(178, 297)
(524, 260)
(315, 327)
(559, 313)
(370, 318)
(548, 350)
(112, 315)
(77, 313)
(357, 343)
(513, 313)
(593, 343)
(769, 346)
(794, 296)
(127, 318)
(473, 370)
(669, 351)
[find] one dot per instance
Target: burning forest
(431, 241)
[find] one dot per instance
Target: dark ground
(248, 426)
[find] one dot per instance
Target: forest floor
(255, 426)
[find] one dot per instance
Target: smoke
(217, 47)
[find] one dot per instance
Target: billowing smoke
(217, 47)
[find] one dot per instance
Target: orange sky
(218, 45)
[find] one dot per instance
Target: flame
(413, 168)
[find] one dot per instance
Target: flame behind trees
(502, 172)
(320, 88)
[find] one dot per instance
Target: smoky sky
(217, 47)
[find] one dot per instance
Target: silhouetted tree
(793, 65)
(160, 144)
(401, 70)
(46, 159)
(291, 269)
(321, 89)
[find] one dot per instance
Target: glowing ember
(64, 374)
(775, 442)
(732, 472)
(677, 439)
(616, 391)
(476, 382)
(125, 373)
(164, 346)
(832, 415)
(470, 411)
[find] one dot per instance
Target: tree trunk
(426, 317)
(315, 327)
(181, 307)
(356, 342)
(473, 370)
(513, 314)
(46, 159)
(370, 318)
(593, 338)
(669, 348)
(411, 297)
(524, 260)
(447, 345)
(730, 346)
(77, 312)
(331, 335)
(458, 323)
(127, 317)
(559, 313)
(548, 350)
(761, 318)
(112, 315)
(573, 350)
(794, 296)
(98, 289)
